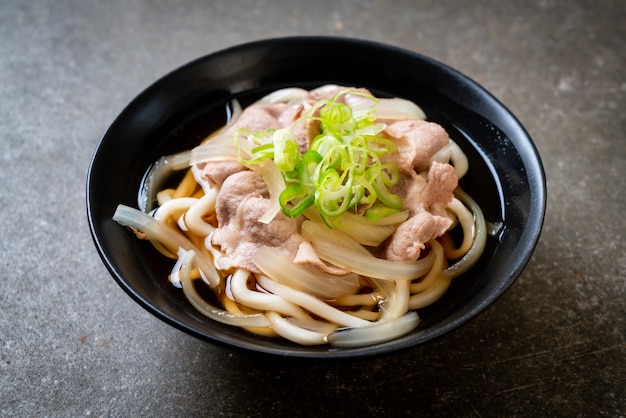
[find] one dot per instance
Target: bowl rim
(524, 145)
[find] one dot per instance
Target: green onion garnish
(342, 171)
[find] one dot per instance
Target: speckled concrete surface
(72, 343)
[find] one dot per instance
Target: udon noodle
(327, 216)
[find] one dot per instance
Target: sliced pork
(428, 213)
(242, 200)
(439, 189)
(410, 238)
(264, 116)
(418, 141)
(215, 172)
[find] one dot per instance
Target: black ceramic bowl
(506, 176)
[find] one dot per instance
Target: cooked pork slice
(215, 172)
(408, 241)
(417, 139)
(242, 200)
(427, 205)
(264, 116)
(409, 188)
(439, 189)
(235, 189)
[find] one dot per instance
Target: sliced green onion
(296, 199)
(343, 168)
(286, 154)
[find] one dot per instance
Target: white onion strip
(281, 268)
(397, 304)
(173, 240)
(291, 96)
(340, 249)
(159, 172)
(371, 266)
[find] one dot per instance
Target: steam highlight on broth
(321, 217)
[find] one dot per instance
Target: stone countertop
(72, 343)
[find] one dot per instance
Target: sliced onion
(158, 173)
(220, 148)
(281, 268)
(363, 231)
(397, 303)
(336, 248)
(173, 240)
(275, 184)
(312, 229)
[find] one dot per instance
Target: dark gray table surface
(72, 343)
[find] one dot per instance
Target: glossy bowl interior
(506, 176)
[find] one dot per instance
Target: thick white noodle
(375, 334)
(480, 239)
(174, 208)
(193, 217)
(466, 220)
(435, 271)
(311, 304)
(290, 96)
(259, 300)
(459, 159)
(430, 295)
(291, 332)
(398, 109)
(210, 311)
